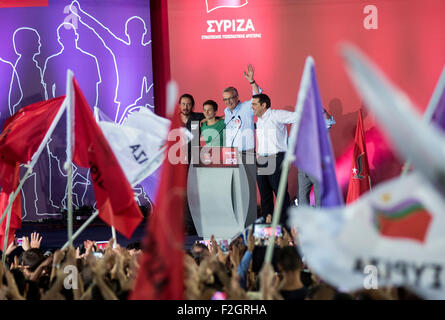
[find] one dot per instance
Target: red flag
(359, 178)
(114, 195)
(22, 135)
(161, 274)
(16, 213)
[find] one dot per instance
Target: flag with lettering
(113, 192)
(161, 274)
(359, 182)
(392, 236)
(313, 149)
(22, 135)
(138, 143)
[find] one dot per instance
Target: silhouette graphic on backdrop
(71, 56)
(6, 74)
(29, 78)
(133, 89)
(28, 88)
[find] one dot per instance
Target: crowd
(90, 273)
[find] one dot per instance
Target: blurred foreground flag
(415, 140)
(312, 145)
(359, 181)
(390, 237)
(161, 271)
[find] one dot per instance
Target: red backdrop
(409, 45)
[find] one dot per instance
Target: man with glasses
(239, 116)
(240, 133)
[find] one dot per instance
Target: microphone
(239, 127)
(225, 126)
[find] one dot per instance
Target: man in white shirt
(271, 133)
(239, 116)
(240, 133)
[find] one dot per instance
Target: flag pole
(29, 167)
(5, 243)
(69, 148)
(79, 231)
(96, 213)
(289, 157)
(35, 157)
(113, 230)
(431, 108)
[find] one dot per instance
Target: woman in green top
(212, 130)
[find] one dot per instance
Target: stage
(54, 233)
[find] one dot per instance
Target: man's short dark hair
(187, 95)
(289, 259)
(212, 103)
(263, 98)
(32, 258)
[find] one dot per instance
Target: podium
(221, 192)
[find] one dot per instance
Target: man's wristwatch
(252, 82)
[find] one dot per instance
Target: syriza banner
(107, 44)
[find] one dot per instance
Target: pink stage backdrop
(211, 42)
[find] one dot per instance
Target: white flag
(148, 121)
(393, 236)
(138, 143)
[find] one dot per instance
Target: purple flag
(313, 150)
(438, 116)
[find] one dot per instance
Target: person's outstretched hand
(75, 7)
(249, 73)
(25, 243)
(12, 246)
(35, 240)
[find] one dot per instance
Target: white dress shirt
(271, 131)
(240, 126)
